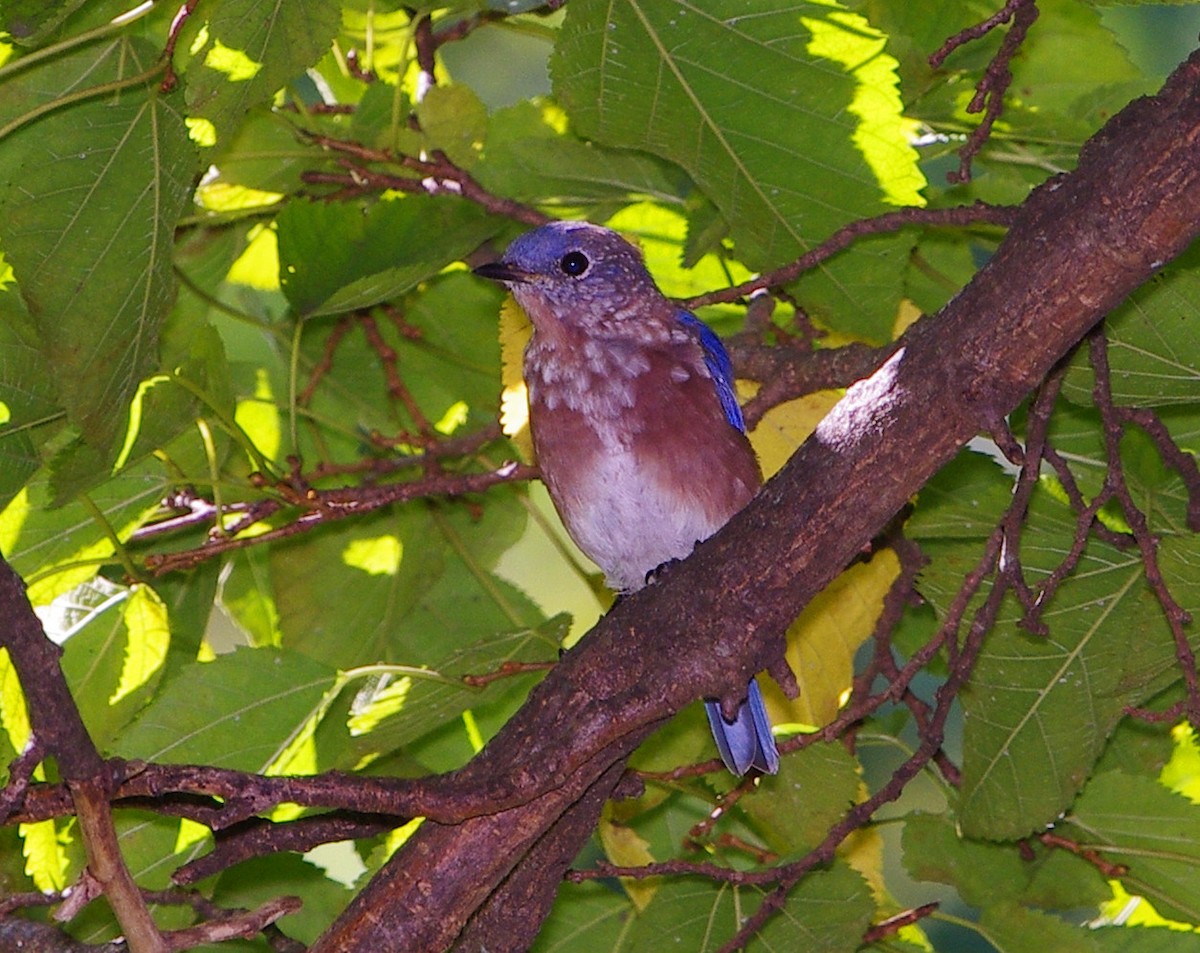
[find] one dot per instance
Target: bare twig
(978, 213)
(989, 92)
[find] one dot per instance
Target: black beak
(500, 271)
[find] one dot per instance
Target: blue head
(579, 274)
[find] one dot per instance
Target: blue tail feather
(746, 742)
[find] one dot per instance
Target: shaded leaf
(1039, 709)
(336, 257)
(826, 912)
(1014, 929)
(570, 170)
(988, 875)
(1137, 822)
(88, 220)
(1154, 346)
(813, 790)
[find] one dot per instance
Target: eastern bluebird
(637, 431)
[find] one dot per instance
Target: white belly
(633, 524)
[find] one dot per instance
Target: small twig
(461, 29)
(668, 868)
(236, 925)
(1176, 616)
(168, 54)
(34, 898)
(1027, 481)
(893, 925)
(20, 773)
(325, 364)
(395, 383)
(506, 670)
(699, 834)
(1177, 459)
(258, 838)
(989, 92)
(325, 506)
(426, 45)
(972, 33)
(975, 214)
(437, 174)
(1093, 857)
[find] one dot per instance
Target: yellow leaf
(863, 850)
(14, 716)
(149, 637)
(46, 860)
(822, 642)
(783, 428)
(907, 314)
(623, 847)
(515, 331)
(1182, 773)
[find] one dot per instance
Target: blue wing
(716, 358)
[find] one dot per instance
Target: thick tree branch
(1078, 247)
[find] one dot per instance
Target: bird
(638, 433)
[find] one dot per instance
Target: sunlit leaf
(250, 51)
(238, 711)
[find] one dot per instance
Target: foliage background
(252, 476)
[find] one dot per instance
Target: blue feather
(746, 742)
(716, 359)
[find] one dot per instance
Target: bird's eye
(574, 263)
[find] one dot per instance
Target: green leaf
(261, 880)
(861, 295)
(589, 917)
(1040, 708)
(965, 500)
(27, 21)
(389, 714)
(987, 874)
(27, 402)
(760, 106)
(1050, 78)
(1135, 821)
(982, 873)
(264, 154)
(56, 549)
(570, 171)
(454, 121)
(250, 51)
(1154, 343)
(1146, 940)
(377, 590)
(238, 711)
(826, 913)
(87, 220)
(813, 790)
(338, 257)
(1014, 929)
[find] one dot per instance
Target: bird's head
(578, 275)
